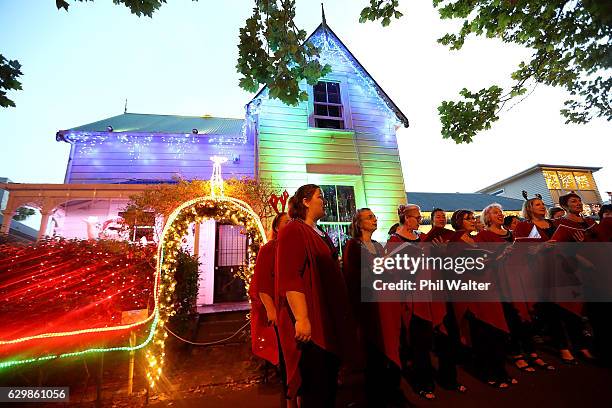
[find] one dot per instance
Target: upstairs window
(328, 109)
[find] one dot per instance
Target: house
(343, 138)
(551, 182)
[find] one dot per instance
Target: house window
(584, 181)
(552, 181)
(328, 109)
(339, 210)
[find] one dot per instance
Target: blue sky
(80, 66)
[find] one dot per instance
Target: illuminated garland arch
(219, 208)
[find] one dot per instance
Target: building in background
(551, 181)
(451, 202)
(18, 231)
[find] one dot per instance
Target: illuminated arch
(219, 208)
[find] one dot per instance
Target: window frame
(344, 105)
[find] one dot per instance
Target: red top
(306, 262)
(263, 337)
(436, 232)
(524, 228)
(491, 313)
(393, 314)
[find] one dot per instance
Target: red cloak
(263, 337)
(491, 313)
(392, 314)
(307, 263)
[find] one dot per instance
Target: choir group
(308, 316)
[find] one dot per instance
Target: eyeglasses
(371, 217)
(417, 217)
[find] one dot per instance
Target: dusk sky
(80, 66)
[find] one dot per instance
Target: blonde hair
(527, 210)
(484, 215)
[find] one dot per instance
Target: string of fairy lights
(70, 289)
(222, 209)
(92, 284)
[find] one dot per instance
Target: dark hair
(297, 209)
(458, 217)
(508, 220)
(393, 228)
(564, 199)
(554, 210)
(275, 223)
(604, 209)
(434, 211)
(355, 228)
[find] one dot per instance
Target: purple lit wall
(113, 157)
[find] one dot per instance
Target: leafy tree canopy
(571, 42)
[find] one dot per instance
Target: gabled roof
(535, 168)
(457, 201)
(148, 123)
(324, 28)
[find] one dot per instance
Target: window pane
(567, 180)
(583, 180)
(333, 88)
(329, 124)
(320, 110)
(320, 92)
(331, 213)
(334, 111)
(346, 203)
(552, 182)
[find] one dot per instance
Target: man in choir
(314, 322)
(510, 222)
(438, 227)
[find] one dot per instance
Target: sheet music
(534, 233)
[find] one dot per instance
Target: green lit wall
(292, 152)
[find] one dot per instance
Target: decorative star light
(216, 180)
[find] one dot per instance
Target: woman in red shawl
(599, 312)
(261, 291)
(517, 313)
(314, 312)
(265, 342)
(418, 319)
(572, 227)
(362, 247)
(488, 329)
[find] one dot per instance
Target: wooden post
(131, 368)
(99, 382)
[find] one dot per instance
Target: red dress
(263, 337)
(491, 313)
(393, 314)
(307, 263)
(587, 225)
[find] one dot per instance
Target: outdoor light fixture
(194, 131)
(109, 128)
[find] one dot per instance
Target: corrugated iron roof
(148, 123)
(457, 201)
